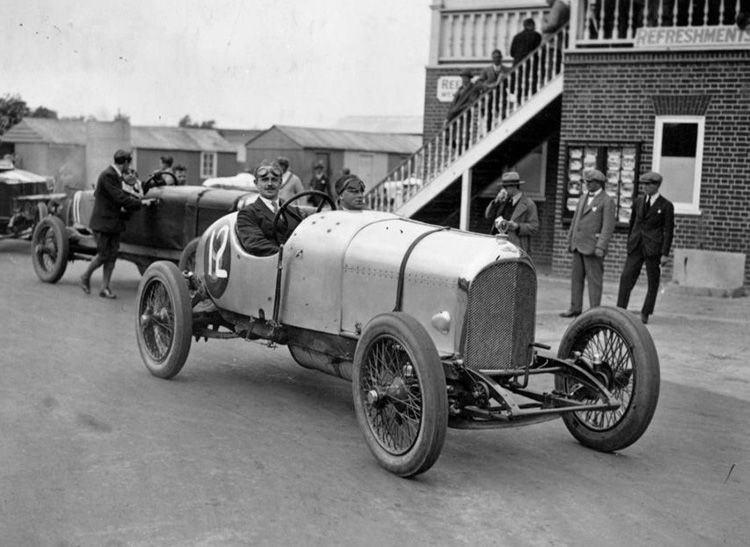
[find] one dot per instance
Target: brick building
(628, 87)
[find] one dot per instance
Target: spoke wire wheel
(400, 394)
(163, 319)
(629, 369)
(49, 249)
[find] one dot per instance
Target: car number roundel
(217, 259)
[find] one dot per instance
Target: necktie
(648, 203)
(275, 206)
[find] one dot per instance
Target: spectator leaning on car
(111, 207)
(257, 230)
(291, 184)
(350, 191)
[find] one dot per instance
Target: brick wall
(615, 97)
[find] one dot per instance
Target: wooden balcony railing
(516, 88)
(616, 22)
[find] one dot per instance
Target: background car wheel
(630, 369)
(164, 321)
(400, 395)
(49, 249)
(187, 258)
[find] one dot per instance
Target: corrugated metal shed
(179, 138)
(43, 130)
(333, 139)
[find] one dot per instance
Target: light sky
(244, 63)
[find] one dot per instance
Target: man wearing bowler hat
(513, 212)
(588, 239)
(649, 242)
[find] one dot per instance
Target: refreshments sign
(719, 36)
(447, 87)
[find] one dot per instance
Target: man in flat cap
(588, 239)
(320, 182)
(257, 232)
(350, 191)
(112, 206)
(513, 212)
(649, 242)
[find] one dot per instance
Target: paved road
(246, 448)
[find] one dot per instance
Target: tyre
(400, 395)
(50, 249)
(164, 321)
(629, 368)
(187, 258)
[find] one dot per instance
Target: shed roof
(334, 139)
(41, 130)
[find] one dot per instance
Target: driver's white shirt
(270, 204)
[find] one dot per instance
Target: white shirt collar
(516, 198)
(592, 195)
(114, 166)
(268, 203)
(654, 197)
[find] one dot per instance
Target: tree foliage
(186, 121)
(43, 112)
(12, 110)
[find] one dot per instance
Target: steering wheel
(283, 210)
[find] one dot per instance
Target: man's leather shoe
(84, 284)
(644, 318)
(106, 293)
(570, 313)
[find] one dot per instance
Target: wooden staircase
(472, 142)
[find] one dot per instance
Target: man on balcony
(513, 213)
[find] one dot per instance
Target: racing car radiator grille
(500, 317)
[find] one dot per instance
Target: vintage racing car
(168, 230)
(23, 198)
(433, 326)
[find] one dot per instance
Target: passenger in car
(255, 223)
(350, 191)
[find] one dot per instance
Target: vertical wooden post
(465, 214)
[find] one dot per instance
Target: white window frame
(683, 208)
(206, 173)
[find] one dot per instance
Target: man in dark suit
(112, 205)
(255, 223)
(513, 212)
(588, 239)
(649, 241)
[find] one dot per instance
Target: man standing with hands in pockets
(588, 239)
(649, 241)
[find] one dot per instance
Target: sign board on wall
(718, 36)
(447, 87)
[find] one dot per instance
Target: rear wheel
(626, 362)
(50, 248)
(164, 321)
(400, 395)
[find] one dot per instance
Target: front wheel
(164, 320)
(400, 395)
(49, 249)
(625, 360)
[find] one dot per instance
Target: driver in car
(257, 232)
(351, 193)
